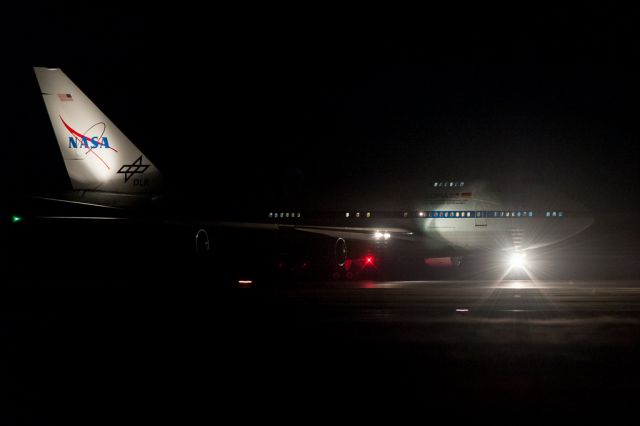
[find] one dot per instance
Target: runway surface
(567, 347)
(464, 348)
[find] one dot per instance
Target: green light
(15, 219)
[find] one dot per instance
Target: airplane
(117, 200)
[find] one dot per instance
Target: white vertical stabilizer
(98, 156)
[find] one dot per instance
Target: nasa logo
(82, 145)
(84, 142)
(79, 140)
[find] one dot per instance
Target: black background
(276, 107)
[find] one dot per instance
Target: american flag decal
(65, 97)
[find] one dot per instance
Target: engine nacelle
(203, 246)
(340, 252)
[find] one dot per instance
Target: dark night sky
(252, 108)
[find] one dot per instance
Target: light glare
(517, 261)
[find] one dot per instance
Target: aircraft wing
(351, 233)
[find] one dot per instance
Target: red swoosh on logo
(80, 135)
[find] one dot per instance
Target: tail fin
(98, 156)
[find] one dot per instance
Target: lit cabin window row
(485, 214)
(476, 214)
(449, 214)
(501, 214)
(448, 184)
(358, 214)
(284, 215)
(426, 214)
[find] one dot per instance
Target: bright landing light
(517, 261)
(381, 235)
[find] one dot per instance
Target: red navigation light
(368, 260)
